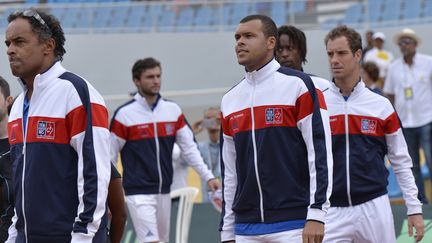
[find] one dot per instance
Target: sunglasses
(405, 41)
(31, 13)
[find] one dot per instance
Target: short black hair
(4, 86)
(51, 29)
(269, 26)
(353, 37)
(143, 64)
(297, 38)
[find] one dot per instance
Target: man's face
(287, 54)
(407, 46)
(252, 47)
(214, 129)
(149, 82)
(26, 53)
(343, 63)
(379, 43)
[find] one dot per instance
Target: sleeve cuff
(208, 176)
(316, 214)
(81, 238)
(417, 209)
(227, 235)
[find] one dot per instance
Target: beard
(148, 92)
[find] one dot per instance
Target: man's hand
(213, 184)
(416, 221)
(197, 127)
(313, 232)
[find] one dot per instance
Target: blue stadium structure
(114, 16)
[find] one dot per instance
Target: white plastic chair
(187, 196)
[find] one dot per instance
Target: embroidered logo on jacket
(169, 129)
(45, 130)
(368, 126)
(273, 116)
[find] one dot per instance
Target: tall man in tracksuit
(364, 128)
(144, 131)
(59, 137)
(276, 146)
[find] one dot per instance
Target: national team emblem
(273, 116)
(45, 130)
(368, 126)
(169, 129)
(278, 116)
(269, 116)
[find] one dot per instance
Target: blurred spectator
(370, 76)
(369, 42)
(409, 87)
(379, 56)
(210, 149)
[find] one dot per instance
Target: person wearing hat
(409, 87)
(382, 58)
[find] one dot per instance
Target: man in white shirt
(409, 87)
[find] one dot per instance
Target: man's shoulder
(169, 105)
(231, 93)
(124, 106)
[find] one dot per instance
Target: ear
(9, 101)
(50, 46)
(271, 43)
(358, 55)
(135, 81)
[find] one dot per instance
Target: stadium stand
(108, 16)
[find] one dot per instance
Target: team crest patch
(169, 129)
(45, 130)
(273, 116)
(368, 126)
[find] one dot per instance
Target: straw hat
(406, 33)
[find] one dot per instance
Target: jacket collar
(263, 73)
(46, 78)
(359, 87)
(142, 101)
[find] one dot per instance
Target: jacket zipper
(157, 151)
(347, 152)
(24, 169)
(255, 154)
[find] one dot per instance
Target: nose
(285, 52)
(10, 50)
(333, 59)
(240, 41)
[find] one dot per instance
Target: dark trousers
(416, 138)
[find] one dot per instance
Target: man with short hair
(276, 148)
(409, 87)
(365, 128)
(144, 131)
(59, 137)
(291, 52)
(6, 190)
